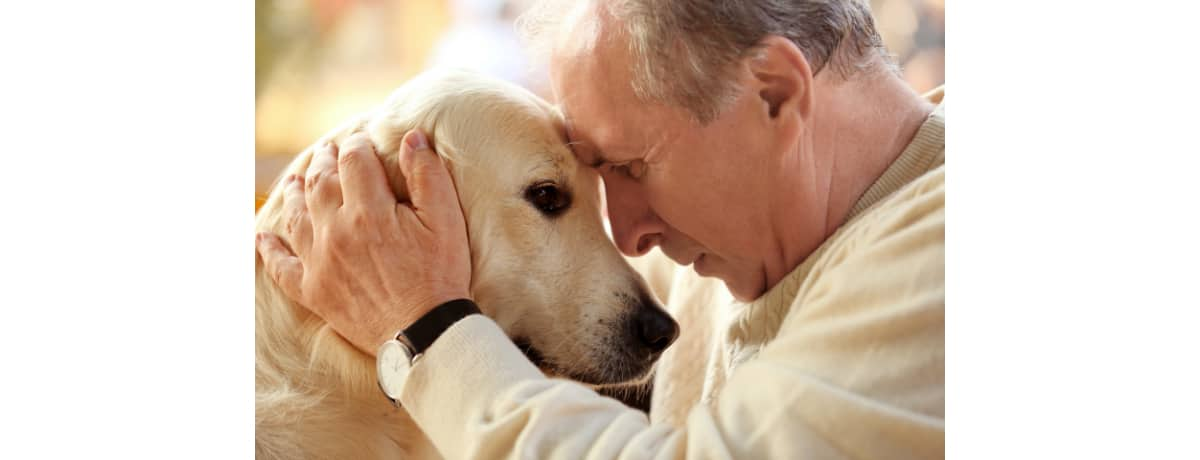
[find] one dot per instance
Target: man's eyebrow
(598, 156)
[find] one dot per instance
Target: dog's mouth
(533, 354)
(620, 374)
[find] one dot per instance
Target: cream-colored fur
(556, 283)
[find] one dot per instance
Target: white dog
(543, 269)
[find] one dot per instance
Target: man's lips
(683, 260)
(699, 266)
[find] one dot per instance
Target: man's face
(698, 192)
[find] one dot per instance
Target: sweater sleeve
(854, 372)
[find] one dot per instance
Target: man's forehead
(571, 117)
(598, 109)
(598, 143)
(584, 150)
(577, 82)
(589, 112)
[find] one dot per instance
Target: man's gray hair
(685, 52)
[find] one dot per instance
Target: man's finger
(323, 191)
(363, 181)
(429, 183)
(298, 225)
(281, 265)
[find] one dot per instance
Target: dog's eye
(548, 198)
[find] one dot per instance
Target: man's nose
(635, 227)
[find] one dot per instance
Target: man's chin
(744, 291)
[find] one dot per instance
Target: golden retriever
(543, 269)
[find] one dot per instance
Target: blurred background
(317, 62)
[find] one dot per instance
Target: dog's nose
(654, 328)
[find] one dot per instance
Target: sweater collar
(926, 152)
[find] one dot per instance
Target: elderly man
(767, 143)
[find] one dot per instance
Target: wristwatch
(397, 356)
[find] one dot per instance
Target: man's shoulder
(922, 200)
(919, 205)
(891, 256)
(869, 317)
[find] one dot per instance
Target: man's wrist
(410, 312)
(396, 356)
(428, 327)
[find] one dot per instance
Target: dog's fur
(554, 283)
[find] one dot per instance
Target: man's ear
(782, 77)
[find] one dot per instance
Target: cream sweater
(844, 358)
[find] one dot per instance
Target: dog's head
(543, 267)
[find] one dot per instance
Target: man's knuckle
(279, 273)
(321, 180)
(425, 167)
(296, 221)
(360, 218)
(355, 154)
(350, 158)
(360, 141)
(286, 184)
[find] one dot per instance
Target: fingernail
(417, 140)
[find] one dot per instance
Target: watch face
(392, 365)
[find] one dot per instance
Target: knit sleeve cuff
(460, 375)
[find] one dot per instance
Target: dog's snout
(654, 328)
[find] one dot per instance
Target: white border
(127, 229)
(1072, 242)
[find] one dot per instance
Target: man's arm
(856, 371)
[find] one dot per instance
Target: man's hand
(366, 264)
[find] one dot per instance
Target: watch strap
(431, 326)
